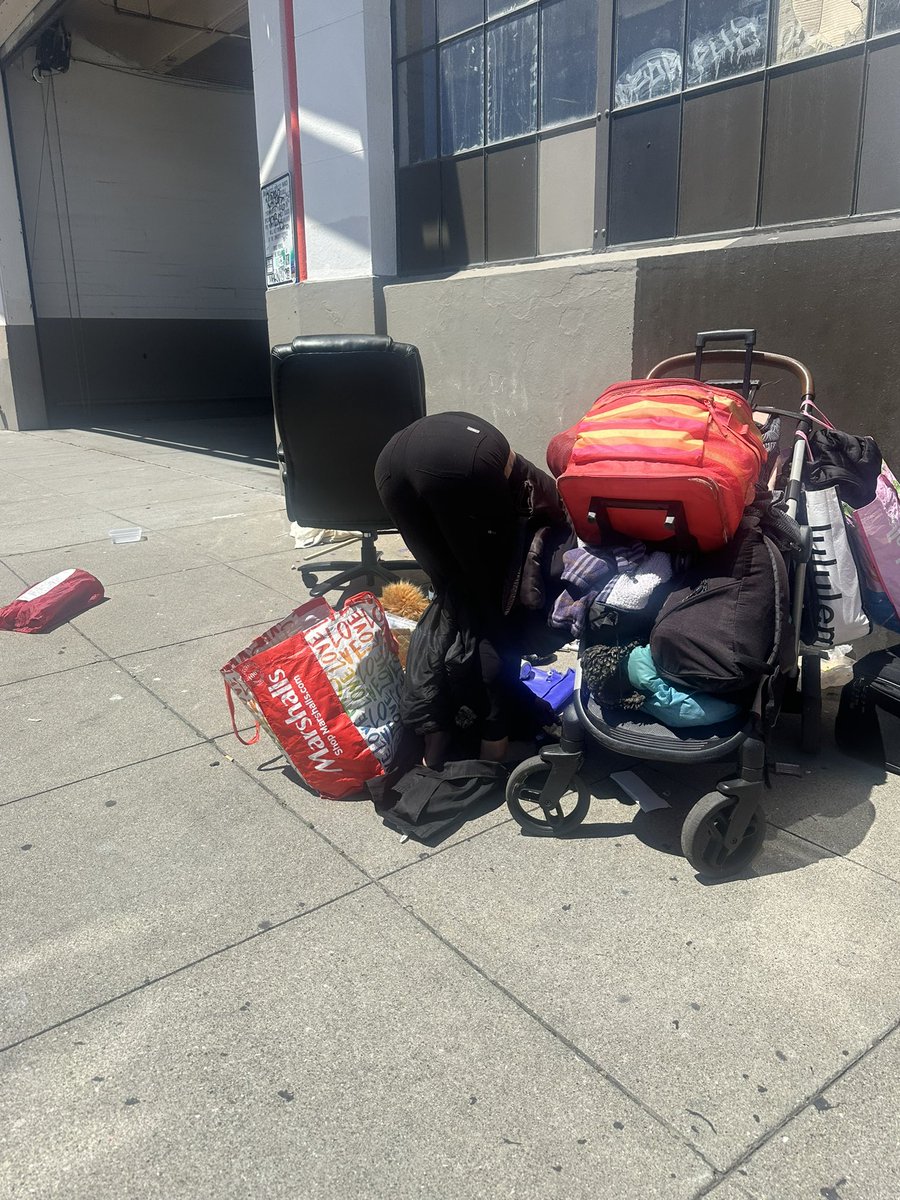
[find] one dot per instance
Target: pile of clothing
(624, 577)
(619, 592)
(684, 644)
(627, 677)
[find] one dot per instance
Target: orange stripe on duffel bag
(645, 409)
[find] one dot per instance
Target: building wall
(531, 346)
(141, 206)
(825, 296)
(527, 347)
(21, 390)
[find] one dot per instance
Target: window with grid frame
(517, 121)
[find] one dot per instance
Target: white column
(269, 89)
(21, 390)
(343, 54)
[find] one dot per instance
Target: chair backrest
(338, 402)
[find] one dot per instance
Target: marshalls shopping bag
(325, 685)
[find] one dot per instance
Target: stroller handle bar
(781, 362)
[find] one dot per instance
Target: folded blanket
(669, 704)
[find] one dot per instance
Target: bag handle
(820, 416)
(230, 699)
(747, 336)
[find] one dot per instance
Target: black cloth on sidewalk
(427, 804)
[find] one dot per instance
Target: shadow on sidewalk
(829, 806)
(241, 433)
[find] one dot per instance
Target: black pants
(443, 481)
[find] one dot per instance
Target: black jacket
(442, 661)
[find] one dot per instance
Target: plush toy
(404, 599)
(605, 670)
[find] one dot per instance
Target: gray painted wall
(527, 347)
(530, 347)
(22, 403)
(340, 306)
(827, 297)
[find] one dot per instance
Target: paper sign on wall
(278, 230)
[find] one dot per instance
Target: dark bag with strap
(868, 719)
(426, 803)
(716, 634)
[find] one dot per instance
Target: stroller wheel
(704, 837)
(811, 704)
(523, 799)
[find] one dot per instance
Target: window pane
(719, 177)
(417, 100)
(462, 94)
(419, 217)
(813, 26)
(643, 179)
(511, 202)
(648, 49)
(879, 166)
(566, 171)
(462, 210)
(569, 60)
(725, 37)
(512, 77)
(497, 8)
(415, 24)
(812, 126)
(887, 16)
(453, 16)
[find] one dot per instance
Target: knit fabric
(624, 576)
(634, 591)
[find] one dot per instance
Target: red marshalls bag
(326, 686)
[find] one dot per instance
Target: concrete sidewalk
(213, 984)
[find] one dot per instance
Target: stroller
(724, 830)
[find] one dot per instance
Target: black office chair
(338, 402)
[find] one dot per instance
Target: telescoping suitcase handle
(747, 336)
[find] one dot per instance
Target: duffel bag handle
(674, 519)
(747, 336)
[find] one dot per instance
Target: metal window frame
(605, 115)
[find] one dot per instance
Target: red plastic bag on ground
(50, 603)
(326, 686)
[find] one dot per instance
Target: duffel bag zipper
(714, 488)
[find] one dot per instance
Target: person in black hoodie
(483, 523)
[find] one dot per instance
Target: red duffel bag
(50, 603)
(660, 459)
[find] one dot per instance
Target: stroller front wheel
(543, 816)
(706, 841)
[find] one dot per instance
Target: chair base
(369, 569)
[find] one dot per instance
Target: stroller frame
(723, 830)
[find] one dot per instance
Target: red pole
(292, 113)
